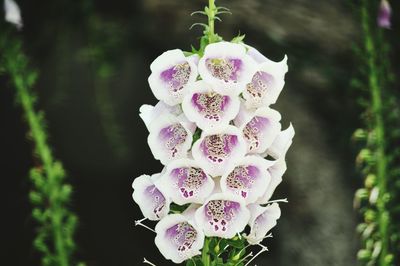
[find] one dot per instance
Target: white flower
(149, 113)
(207, 108)
(169, 138)
(262, 220)
(276, 172)
(185, 182)
(249, 179)
(281, 143)
(267, 82)
(13, 13)
(223, 215)
(178, 238)
(219, 149)
(227, 66)
(259, 127)
(152, 202)
(170, 73)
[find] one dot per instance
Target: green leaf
(175, 208)
(238, 39)
(196, 135)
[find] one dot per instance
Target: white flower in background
(223, 215)
(170, 73)
(169, 138)
(13, 13)
(276, 172)
(219, 149)
(249, 179)
(262, 220)
(178, 238)
(384, 15)
(227, 66)
(281, 143)
(208, 108)
(152, 202)
(185, 182)
(267, 82)
(259, 128)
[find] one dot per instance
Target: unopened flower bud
(364, 255)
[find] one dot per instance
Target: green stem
(379, 130)
(45, 155)
(212, 10)
(205, 256)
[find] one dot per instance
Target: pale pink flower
(208, 108)
(223, 215)
(170, 74)
(152, 202)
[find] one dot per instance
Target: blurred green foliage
(379, 158)
(50, 194)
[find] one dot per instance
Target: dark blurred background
(94, 57)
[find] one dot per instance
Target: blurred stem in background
(379, 158)
(50, 193)
(104, 39)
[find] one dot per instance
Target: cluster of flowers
(212, 128)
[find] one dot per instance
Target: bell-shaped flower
(281, 143)
(169, 138)
(262, 220)
(13, 13)
(219, 149)
(384, 15)
(249, 179)
(185, 182)
(170, 73)
(178, 238)
(149, 113)
(223, 215)
(267, 82)
(259, 128)
(152, 202)
(208, 108)
(227, 66)
(276, 172)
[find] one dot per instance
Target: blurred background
(94, 58)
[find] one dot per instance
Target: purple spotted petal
(249, 179)
(171, 72)
(227, 66)
(152, 202)
(169, 139)
(219, 149)
(262, 220)
(185, 182)
(223, 215)
(178, 238)
(207, 108)
(266, 83)
(259, 128)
